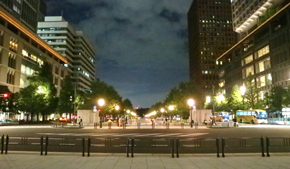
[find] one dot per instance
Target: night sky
(141, 44)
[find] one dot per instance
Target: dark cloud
(142, 44)
(170, 15)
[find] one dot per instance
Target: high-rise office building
(262, 55)
(28, 12)
(210, 34)
(249, 14)
(74, 46)
(22, 52)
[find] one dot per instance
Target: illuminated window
(24, 53)
(263, 65)
(264, 80)
(247, 60)
(248, 71)
(13, 44)
(265, 50)
(33, 57)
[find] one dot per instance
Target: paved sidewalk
(27, 160)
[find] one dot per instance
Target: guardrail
(133, 145)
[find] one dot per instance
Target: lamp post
(190, 103)
(101, 102)
(171, 108)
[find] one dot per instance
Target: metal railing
(172, 146)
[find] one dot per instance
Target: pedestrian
(80, 121)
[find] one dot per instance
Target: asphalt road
(245, 138)
(237, 132)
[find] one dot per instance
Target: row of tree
(40, 96)
(274, 100)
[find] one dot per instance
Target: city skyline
(141, 46)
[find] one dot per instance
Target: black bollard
(83, 144)
(223, 147)
(41, 145)
(46, 145)
(177, 147)
(217, 147)
(172, 147)
(267, 146)
(127, 147)
(89, 145)
(7, 142)
(2, 144)
(132, 147)
(262, 146)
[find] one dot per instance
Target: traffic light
(4, 95)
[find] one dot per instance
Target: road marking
(126, 134)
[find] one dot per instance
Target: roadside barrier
(145, 145)
(149, 145)
(252, 144)
(281, 144)
(194, 145)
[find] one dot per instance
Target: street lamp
(171, 108)
(207, 99)
(190, 103)
(117, 108)
(101, 102)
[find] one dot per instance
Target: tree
(100, 89)
(276, 98)
(42, 89)
(236, 99)
(179, 95)
(67, 97)
(252, 94)
(29, 100)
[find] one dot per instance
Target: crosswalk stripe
(126, 134)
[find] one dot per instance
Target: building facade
(210, 34)
(264, 55)
(74, 46)
(249, 14)
(21, 53)
(28, 12)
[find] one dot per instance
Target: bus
(221, 116)
(252, 116)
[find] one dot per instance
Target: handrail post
(46, 145)
(7, 142)
(89, 146)
(262, 145)
(267, 146)
(132, 147)
(41, 145)
(83, 144)
(218, 147)
(172, 147)
(223, 147)
(2, 144)
(177, 147)
(127, 147)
